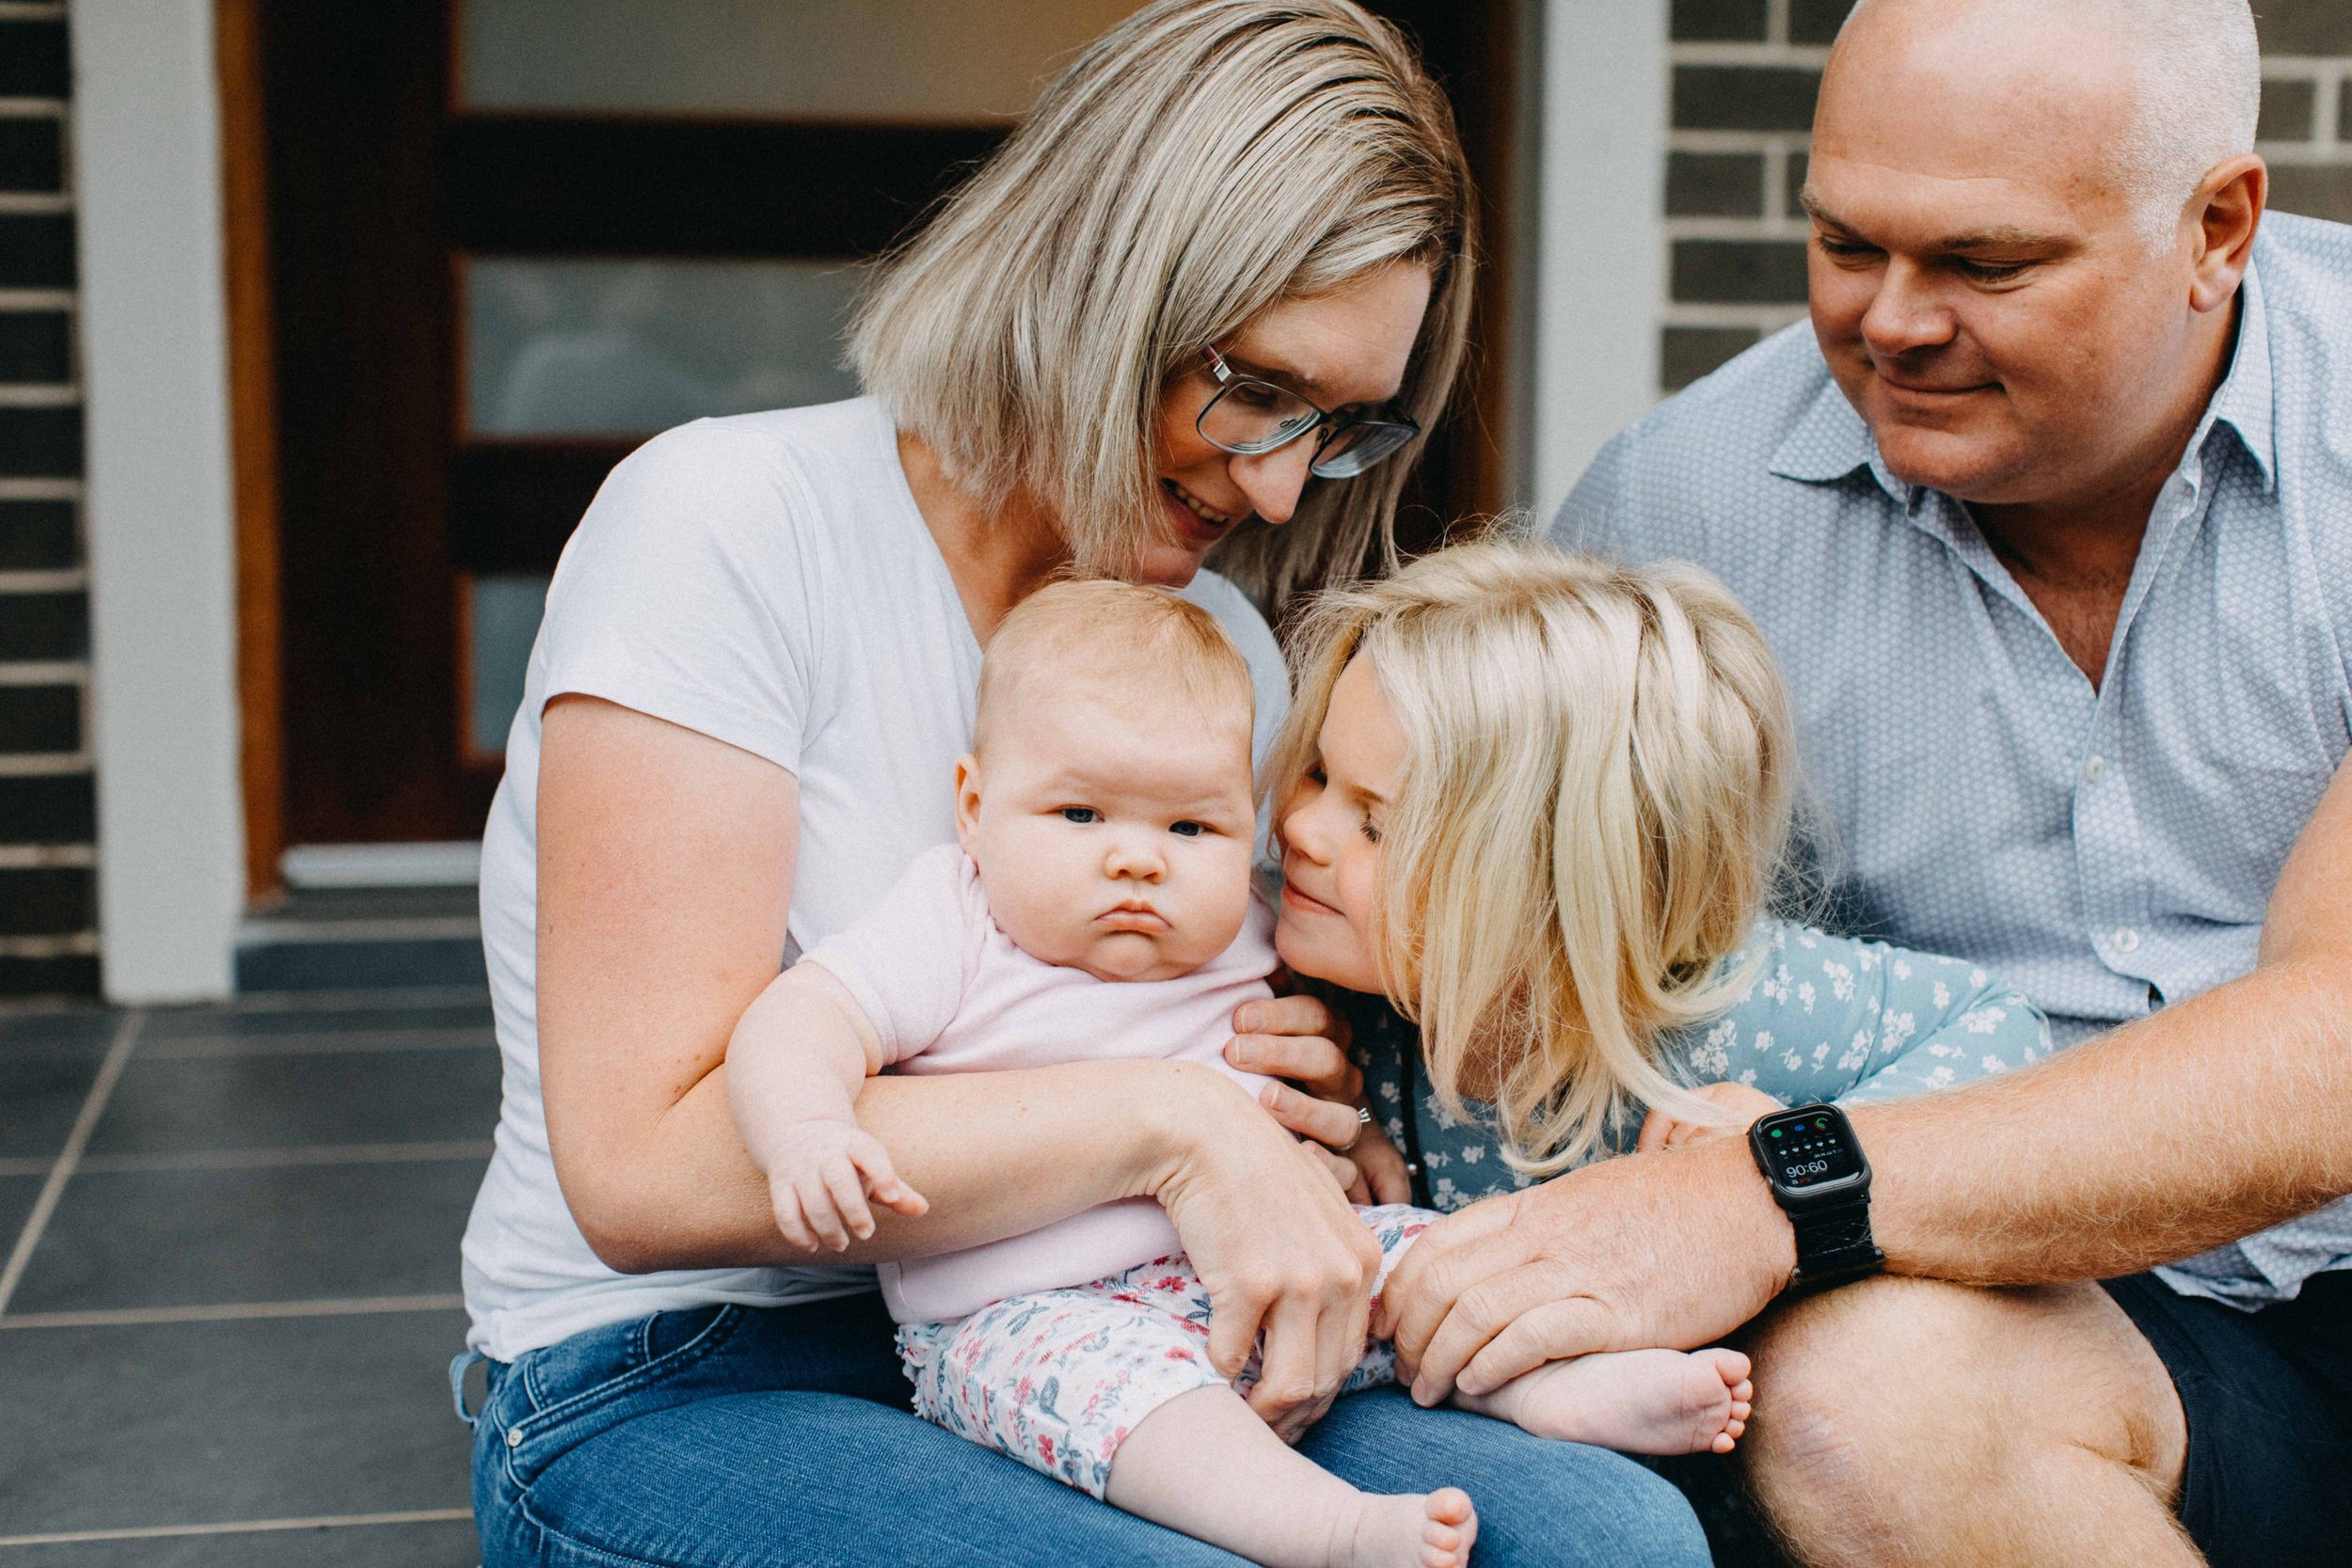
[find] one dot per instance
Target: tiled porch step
(358, 939)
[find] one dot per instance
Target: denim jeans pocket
(558, 1398)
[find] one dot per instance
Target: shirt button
(2124, 940)
(514, 1437)
(2094, 768)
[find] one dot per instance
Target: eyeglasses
(1247, 416)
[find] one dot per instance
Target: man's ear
(2231, 205)
(967, 801)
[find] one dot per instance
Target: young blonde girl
(1538, 801)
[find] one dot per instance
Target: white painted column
(157, 517)
(1600, 258)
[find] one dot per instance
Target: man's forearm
(2212, 1119)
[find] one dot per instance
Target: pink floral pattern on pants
(1057, 1379)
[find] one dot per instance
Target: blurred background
(320, 323)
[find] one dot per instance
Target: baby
(1098, 905)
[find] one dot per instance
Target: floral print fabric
(1056, 1379)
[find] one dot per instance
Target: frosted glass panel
(504, 614)
(901, 60)
(577, 347)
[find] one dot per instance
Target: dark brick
(1793, 192)
(2304, 26)
(2290, 106)
(48, 808)
(36, 346)
(1740, 272)
(1816, 21)
(48, 901)
(32, 155)
(33, 61)
(73, 974)
(38, 536)
(1744, 98)
(1687, 352)
(38, 718)
(1709, 20)
(35, 251)
(43, 627)
(42, 443)
(1716, 184)
(2316, 190)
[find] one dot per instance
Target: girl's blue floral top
(1827, 1018)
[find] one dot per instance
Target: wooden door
(425, 476)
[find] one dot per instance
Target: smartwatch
(1815, 1166)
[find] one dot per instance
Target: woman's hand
(1743, 1104)
(1269, 1230)
(1301, 1040)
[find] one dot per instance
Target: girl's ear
(967, 801)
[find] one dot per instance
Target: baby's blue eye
(1081, 815)
(1186, 830)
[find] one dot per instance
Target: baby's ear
(967, 801)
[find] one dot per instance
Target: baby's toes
(1741, 1410)
(1450, 1527)
(1724, 1443)
(1743, 1391)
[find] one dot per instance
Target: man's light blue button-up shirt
(2109, 849)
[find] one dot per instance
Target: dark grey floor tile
(17, 1196)
(170, 1104)
(440, 1543)
(201, 1423)
(42, 1086)
(288, 1233)
(228, 1022)
(58, 1025)
(294, 965)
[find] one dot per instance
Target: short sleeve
(1592, 519)
(689, 593)
(908, 960)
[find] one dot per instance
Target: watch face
(1807, 1149)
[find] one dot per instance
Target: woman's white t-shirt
(767, 581)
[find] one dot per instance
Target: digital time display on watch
(1806, 1149)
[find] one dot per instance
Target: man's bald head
(2189, 71)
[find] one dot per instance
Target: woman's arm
(665, 871)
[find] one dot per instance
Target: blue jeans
(726, 1437)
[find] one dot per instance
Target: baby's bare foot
(1431, 1531)
(1635, 1401)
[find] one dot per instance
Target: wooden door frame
(1489, 83)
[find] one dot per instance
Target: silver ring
(1363, 1120)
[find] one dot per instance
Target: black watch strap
(1834, 1244)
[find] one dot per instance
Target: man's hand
(820, 1172)
(1664, 1249)
(1741, 1103)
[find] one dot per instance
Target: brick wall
(48, 917)
(1745, 73)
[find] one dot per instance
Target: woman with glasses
(1204, 299)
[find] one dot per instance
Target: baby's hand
(1660, 1130)
(820, 1175)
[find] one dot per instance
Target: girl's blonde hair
(1595, 801)
(1201, 161)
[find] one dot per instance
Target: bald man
(2048, 513)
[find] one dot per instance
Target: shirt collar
(1829, 440)
(2245, 399)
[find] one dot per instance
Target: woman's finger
(1328, 1122)
(1286, 1369)
(1310, 1060)
(1654, 1129)
(1290, 1015)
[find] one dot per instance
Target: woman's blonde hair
(1201, 161)
(1594, 803)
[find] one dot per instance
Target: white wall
(162, 544)
(1601, 249)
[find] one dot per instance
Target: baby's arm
(798, 1055)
